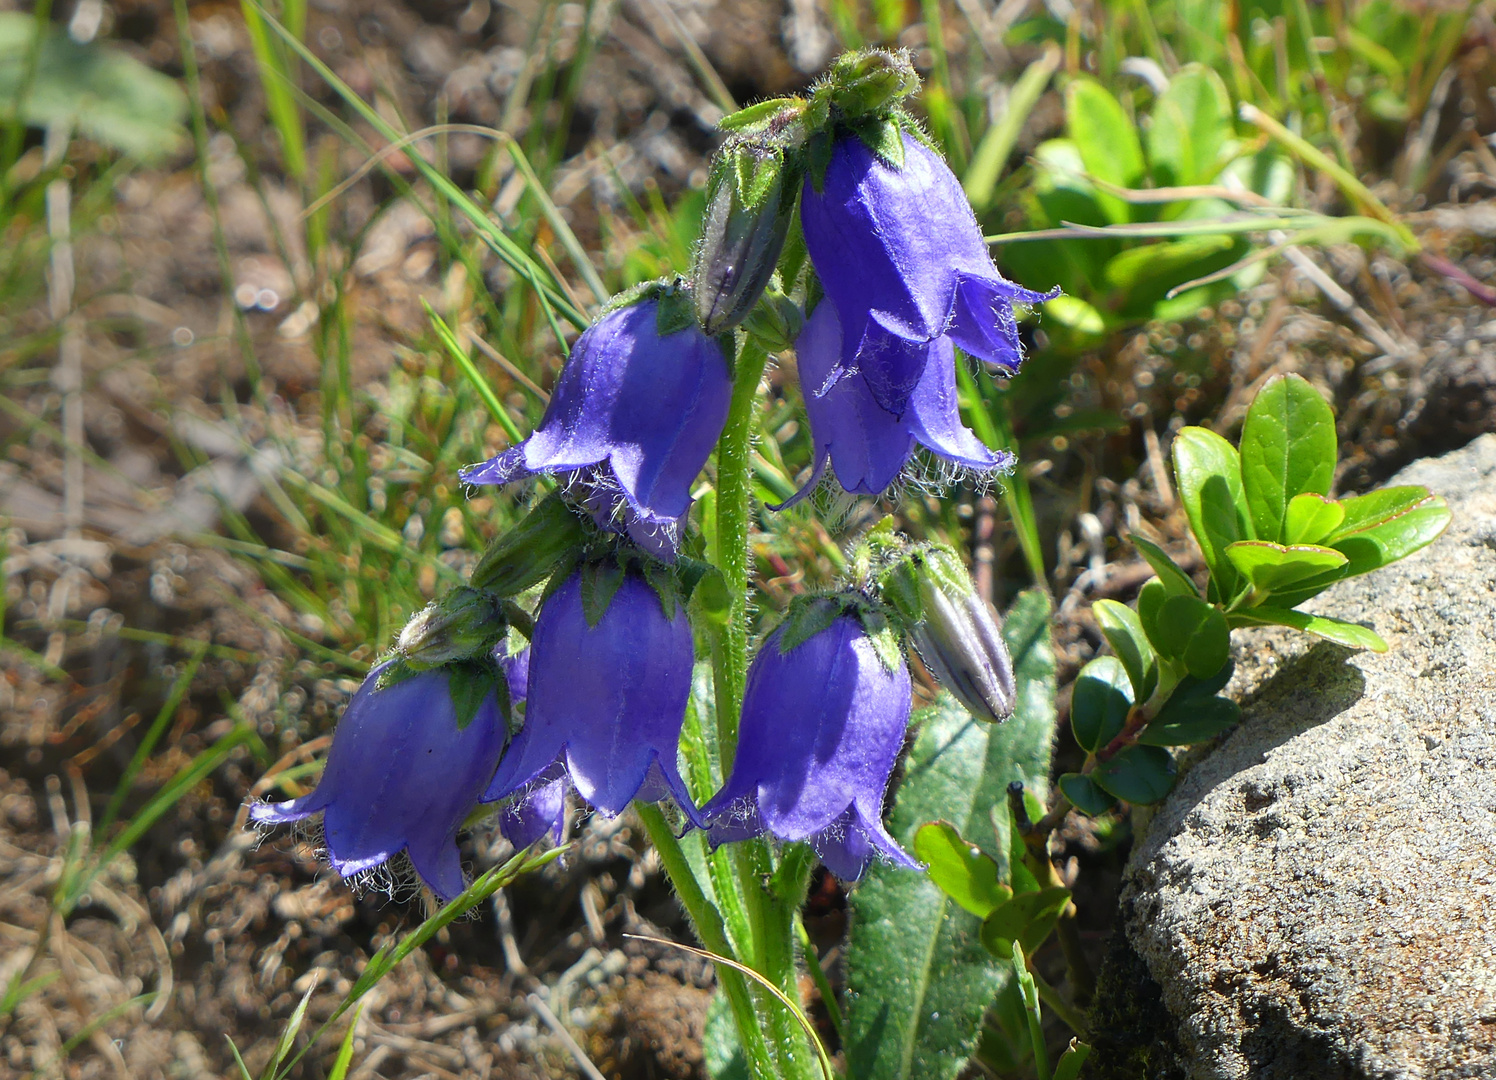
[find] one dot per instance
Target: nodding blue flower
(539, 809)
(900, 254)
(605, 702)
(401, 776)
(632, 420)
(867, 445)
(823, 723)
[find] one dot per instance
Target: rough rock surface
(1317, 898)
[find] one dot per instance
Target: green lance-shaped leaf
(1393, 538)
(1207, 470)
(1193, 632)
(1138, 774)
(962, 870)
(918, 977)
(1124, 632)
(1287, 449)
(1100, 702)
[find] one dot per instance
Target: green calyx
(525, 555)
(811, 615)
(464, 623)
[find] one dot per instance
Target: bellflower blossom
(631, 422)
(400, 777)
(867, 445)
(606, 702)
(822, 727)
(539, 810)
(900, 254)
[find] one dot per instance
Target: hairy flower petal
(400, 777)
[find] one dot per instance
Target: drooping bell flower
(401, 776)
(866, 445)
(899, 252)
(539, 809)
(632, 420)
(606, 699)
(823, 723)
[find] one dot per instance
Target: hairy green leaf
(918, 977)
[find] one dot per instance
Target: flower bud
(525, 555)
(871, 82)
(955, 634)
(462, 624)
(748, 209)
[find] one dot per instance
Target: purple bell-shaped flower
(900, 254)
(605, 702)
(867, 445)
(822, 726)
(540, 807)
(631, 422)
(401, 776)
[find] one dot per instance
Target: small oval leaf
(960, 869)
(1100, 703)
(1138, 774)
(1084, 795)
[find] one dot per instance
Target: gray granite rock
(1317, 898)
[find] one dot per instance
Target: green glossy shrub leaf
(1195, 633)
(1395, 538)
(1138, 774)
(1124, 632)
(1107, 141)
(919, 979)
(1336, 630)
(962, 870)
(1100, 702)
(1207, 471)
(1274, 568)
(1191, 720)
(1311, 518)
(1151, 599)
(1191, 123)
(1174, 579)
(1084, 795)
(1364, 511)
(1287, 449)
